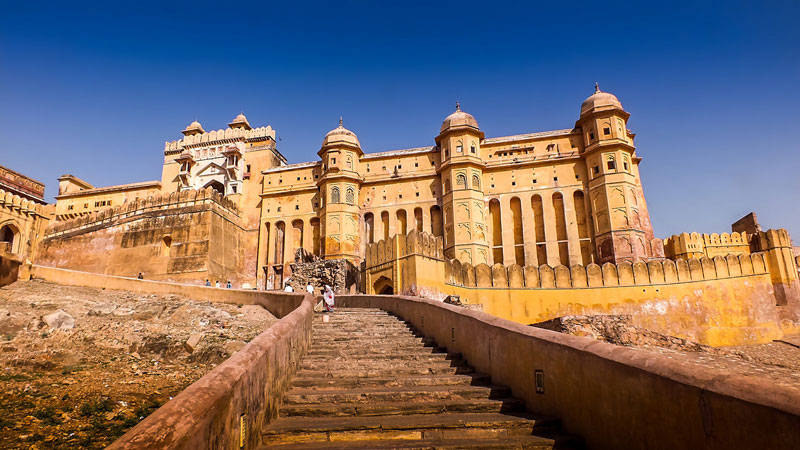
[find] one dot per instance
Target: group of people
(327, 295)
(228, 284)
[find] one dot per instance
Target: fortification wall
(184, 237)
(695, 245)
(22, 223)
(716, 301)
(658, 402)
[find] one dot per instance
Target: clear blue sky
(713, 88)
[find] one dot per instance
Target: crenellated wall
(184, 237)
(724, 300)
(695, 245)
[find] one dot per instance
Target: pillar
(507, 232)
(573, 238)
(529, 233)
(550, 234)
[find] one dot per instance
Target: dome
(600, 100)
(341, 135)
(240, 121)
(193, 128)
(458, 119)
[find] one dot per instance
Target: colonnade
(543, 228)
(385, 223)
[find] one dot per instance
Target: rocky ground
(778, 360)
(80, 366)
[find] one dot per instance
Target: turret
(461, 173)
(339, 188)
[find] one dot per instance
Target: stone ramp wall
(614, 397)
(241, 393)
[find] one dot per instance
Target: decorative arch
(216, 185)
(335, 195)
(350, 196)
(383, 286)
(476, 181)
(461, 180)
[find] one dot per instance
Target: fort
(521, 229)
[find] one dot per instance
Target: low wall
(245, 389)
(276, 303)
(614, 397)
(9, 268)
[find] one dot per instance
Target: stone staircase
(370, 382)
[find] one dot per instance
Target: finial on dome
(458, 105)
(596, 87)
(341, 122)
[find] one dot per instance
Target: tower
(461, 173)
(339, 188)
(621, 222)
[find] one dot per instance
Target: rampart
(226, 408)
(717, 301)
(614, 397)
(185, 237)
(695, 245)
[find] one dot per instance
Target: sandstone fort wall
(717, 301)
(22, 222)
(188, 237)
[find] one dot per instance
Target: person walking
(216, 284)
(328, 298)
(310, 288)
(229, 285)
(208, 282)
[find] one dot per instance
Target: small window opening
(606, 131)
(612, 165)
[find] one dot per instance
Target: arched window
(459, 147)
(476, 181)
(349, 162)
(335, 196)
(461, 180)
(447, 185)
(626, 163)
(350, 196)
(473, 149)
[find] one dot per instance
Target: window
(472, 149)
(446, 153)
(335, 195)
(534, 181)
(333, 160)
(279, 209)
(459, 148)
(349, 162)
(70, 207)
(417, 194)
(625, 165)
(416, 164)
(350, 196)
(606, 131)
(611, 163)
(298, 178)
(513, 183)
(296, 207)
(233, 187)
(461, 180)
(476, 181)
(591, 136)
(595, 170)
(248, 168)
(555, 178)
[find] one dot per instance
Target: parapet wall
(185, 237)
(695, 245)
(648, 400)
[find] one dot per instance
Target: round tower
(339, 188)
(461, 174)
(622, 229)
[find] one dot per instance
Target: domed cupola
(459, 119)
(340, 137)
(193, 128)
(600, 101)
(240, 121)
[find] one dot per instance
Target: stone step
(480, 405)
(376, 350)
(409, 358)
(353, 341)
(334, 365)
(474, 379)
(513, 442)
(415, 427)
(305, 396)
(360, 372)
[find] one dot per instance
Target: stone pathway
(370, 382)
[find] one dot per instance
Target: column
(507, 232)
(550, 234)
(573, 244)
(392, 223)
(529, 232)
(426, 219)
(308, 237)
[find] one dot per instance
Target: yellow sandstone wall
(22, 221)
(721, 301)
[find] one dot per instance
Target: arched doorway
(8, 238)
(217, 186)
(383, 286)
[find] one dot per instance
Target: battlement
(141, 206)
(221, 136)
(654, 272)
(695, 245)
(21, 205)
